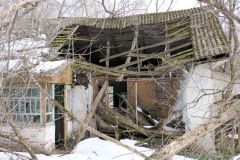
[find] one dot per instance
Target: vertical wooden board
(146, 93)
(65, 117)
(153, 98)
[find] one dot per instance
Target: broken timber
(164, 42)
(150, 56)
(90, 115)
(98, 69)
(190, 137)
(112, 72)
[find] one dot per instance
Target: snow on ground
(95, 149)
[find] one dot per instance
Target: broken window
(25, 104)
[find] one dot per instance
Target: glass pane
(33, 106)
(12, 105)
(13, 92)
(28, 94)
(38, 106)
(35, 92)
(50, 92)
(36, 118)
(29, 118)
(22, 107)
(19, 118)
(25, 118)
(28, 106)
(49, 118)
(15, 117)
(16, 106)
(49, 106)
(19, 92)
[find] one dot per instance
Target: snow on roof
(26, 43)
(12, 64)
(35, 67)
(50, 67)
(29, 54)
(25, 47)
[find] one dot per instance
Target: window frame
(16, 101)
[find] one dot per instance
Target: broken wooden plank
(134, 45)
(97, 69)
(175, 64)
(190, 137)
(164, 42)
(90, 115)
(125, 120)
(108, 71)
(157, 55)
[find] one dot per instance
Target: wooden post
(136, 101)
(134, 44)
(167, 54)
(108, 53)
(90, 115)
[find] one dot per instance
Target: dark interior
(90, 43)
(59, 118)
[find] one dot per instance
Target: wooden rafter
(95, 68)
(108, 71)
(134, 45)
(150, 56)
(164, 42)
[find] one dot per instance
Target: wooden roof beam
(164, 42)
(157, 55)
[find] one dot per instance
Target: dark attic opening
(145, 46)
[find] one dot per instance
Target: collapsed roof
(144, 42)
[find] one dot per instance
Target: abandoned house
(147, 60)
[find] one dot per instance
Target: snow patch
(49, 65)
(95, 149)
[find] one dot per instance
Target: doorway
(59, 116)
(119, 92)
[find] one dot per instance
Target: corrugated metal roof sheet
(208, 38)
(122, 22)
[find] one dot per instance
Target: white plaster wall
(50, 137)
(198, 107)
(35, 135)
(69, 105)
(197, 84)
(80, 103)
